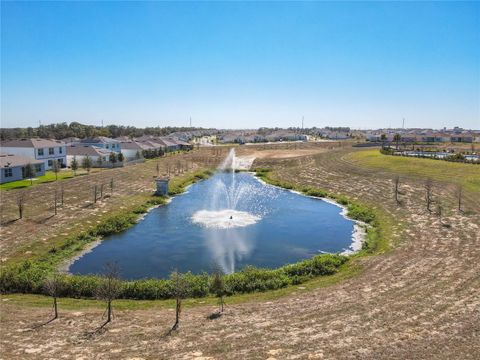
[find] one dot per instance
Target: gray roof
(136, 145)
(32, 143)
(83, 150)
(99, 140)
(9, 160)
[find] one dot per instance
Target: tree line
(75, 129)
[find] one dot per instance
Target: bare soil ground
(421, 300)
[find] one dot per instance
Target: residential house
(167, 144)
(71, 140)
(38, 149)
(103, 142)
(12, 167)
(132, 149)
(100, 157)
(462, 138)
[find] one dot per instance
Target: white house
(102, 142)
(134, 149)
(38, 149)
(99, 157)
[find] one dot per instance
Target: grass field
(467, 175)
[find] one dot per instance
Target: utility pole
(190, 121)
(303, 117)
(403, 123)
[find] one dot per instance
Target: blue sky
(238, 65)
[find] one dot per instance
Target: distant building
(132, 150)
(38, 149)
(100, 157)
(71, 140)
(12, 167)
(103, 142)
(462, 138)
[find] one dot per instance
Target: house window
(106, 146)
(38, 167)
(40, 152)
(51, 151)
(60, 150)
(8, 172)
(50, 162)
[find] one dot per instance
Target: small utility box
(162, 186)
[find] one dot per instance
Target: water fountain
(223, 210)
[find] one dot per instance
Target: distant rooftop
(32, 143)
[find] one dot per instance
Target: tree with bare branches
(396, 182)
(56, 168)
(218, 287)
(30, 172)
(55, 200)
(74, 166)
(429, 194)
(53, 287)
(109, 287)
(21, 200)
(459, 197)
(180, 292)
(95, 194)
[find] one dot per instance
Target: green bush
(29, 278)
(361, 213)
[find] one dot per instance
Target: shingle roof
(83, 150)
(136, 145)
(32, 143)
(9, 160)
(99, 139)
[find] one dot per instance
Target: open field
(467, 175)
(418, 300)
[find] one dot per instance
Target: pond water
(230, 220)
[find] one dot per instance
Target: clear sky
(241, 65)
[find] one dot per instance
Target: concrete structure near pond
(162, 186)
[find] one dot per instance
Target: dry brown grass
(420, 300)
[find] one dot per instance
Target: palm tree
(397, 138)
(383, 137)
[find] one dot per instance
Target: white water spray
(229, 244)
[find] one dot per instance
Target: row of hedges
(29, 277)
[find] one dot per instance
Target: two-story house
(39, 149)
(102, 142)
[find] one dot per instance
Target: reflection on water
(228, 247)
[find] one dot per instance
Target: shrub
(29, 277)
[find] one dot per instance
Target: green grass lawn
(48, 177)
(467, 175)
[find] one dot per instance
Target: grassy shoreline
(275, 282)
